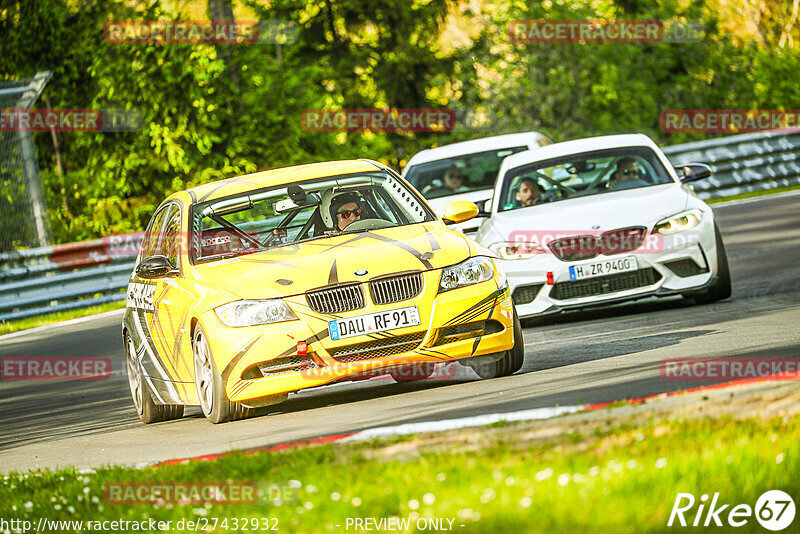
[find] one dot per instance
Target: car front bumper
(680, 264)
(239, 352)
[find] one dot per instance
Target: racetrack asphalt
(579, 358)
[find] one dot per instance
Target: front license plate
(373, 322)
(602, 268)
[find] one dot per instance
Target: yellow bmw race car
(250, 288)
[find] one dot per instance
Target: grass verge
(752, 194)
(615, 474)
(7, 327)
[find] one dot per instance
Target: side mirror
(482, 210)
(155, 267)
(693, 171)
(459, 211)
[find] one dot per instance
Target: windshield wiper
(231, 254)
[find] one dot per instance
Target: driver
(345, 210)
(626, 175)
(529, 193)
(454, 181)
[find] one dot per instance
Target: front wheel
(511, 361)
(210, 387)
(147, 410)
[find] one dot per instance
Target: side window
(170, 243)
(151, 243)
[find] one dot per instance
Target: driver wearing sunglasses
(626, 175)
(345, 211)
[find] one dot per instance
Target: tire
(413, 372)
(147, 410)
(511, 361)
(721, 287)
(210, 388)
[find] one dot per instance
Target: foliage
(214, 111)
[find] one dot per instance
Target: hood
(645, 206)
(294, 269)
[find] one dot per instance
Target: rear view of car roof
(531, 139)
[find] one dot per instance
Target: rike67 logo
(774, 510)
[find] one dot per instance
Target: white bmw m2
(602, 220)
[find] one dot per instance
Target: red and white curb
(463, 422)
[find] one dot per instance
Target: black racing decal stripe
(404, 246)
(194, 197)
(237, 358)
(432, 240)
(429, 352)
(477, 313)
(477, 306)
(462, 317)
(491, 308)
(475, 345)
(355, 238)
(333, 277)
(432, 353)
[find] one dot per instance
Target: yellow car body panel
(162, 313)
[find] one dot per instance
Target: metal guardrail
(50, 279)
(743, 163)
(64, 277)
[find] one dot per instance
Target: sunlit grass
(619, 480)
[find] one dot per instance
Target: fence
(49, 279)
(743, 163)
(23, 214)
(76, 275)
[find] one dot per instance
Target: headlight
(679, 223)
(516, 251)
(466, 273)
(254, 312)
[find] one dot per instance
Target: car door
(171, 303)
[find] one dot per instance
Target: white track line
(464, 422)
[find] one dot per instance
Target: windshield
(590, 173)
(459, 174)
(314, 209)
